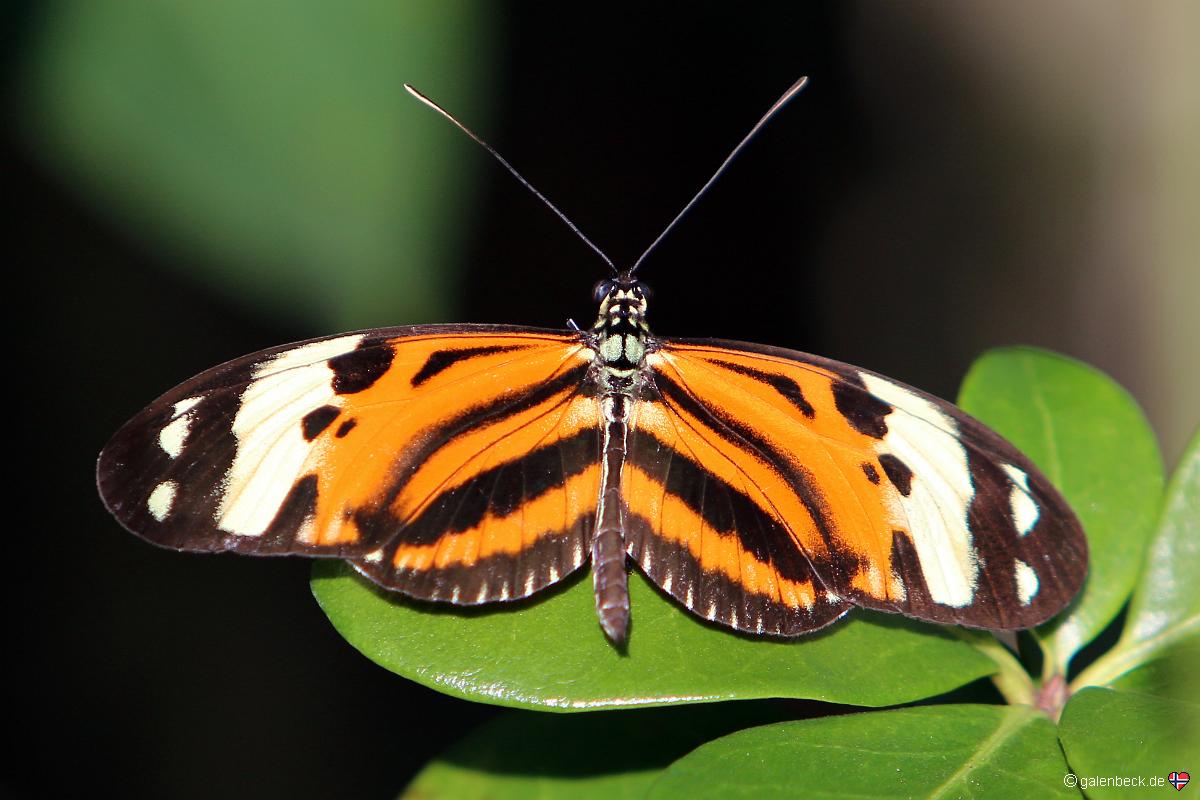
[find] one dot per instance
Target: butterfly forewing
(812, 483)
(451, 462)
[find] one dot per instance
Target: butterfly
(765, 489)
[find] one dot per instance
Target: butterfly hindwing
(711, 522)
(497, 499)
(449, 462)
(845, 487)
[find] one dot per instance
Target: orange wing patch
(413, 430)
(787, 431)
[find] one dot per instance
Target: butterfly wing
(772, 489)
(453, 463)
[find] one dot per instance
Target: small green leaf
(549, 652)
(525, 754)
(1109, 733)
(950, 751)
(1093, 442)
(270, 146)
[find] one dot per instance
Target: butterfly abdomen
(608, 545)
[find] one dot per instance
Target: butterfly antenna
(514, 173)
(780, 103)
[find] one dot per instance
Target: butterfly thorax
(621, 333)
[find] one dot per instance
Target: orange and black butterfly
(762, 488)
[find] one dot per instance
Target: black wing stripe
(785, 386)
(499, 490)
(441, 360)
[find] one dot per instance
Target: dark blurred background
(192, 182)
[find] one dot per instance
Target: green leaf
(1109, 733)
(549, 652)
(947, 751)
(1166, 605)
(527, 754)
(1093, 442)
(1173, 673)
(269, 147)
(1165, 612)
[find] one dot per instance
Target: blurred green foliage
(269, 148)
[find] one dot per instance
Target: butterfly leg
(608, 545)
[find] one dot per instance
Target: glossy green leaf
(930, 752)
(270, 146)
(1093, 442)
(526, 754)
(1166, 605)
(1114, 734)
(1164, 615)
(549, 652)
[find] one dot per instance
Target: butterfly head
(621, 327)
(622, 304)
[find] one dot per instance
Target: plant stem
(1011, 680)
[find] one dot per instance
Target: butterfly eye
(644, 290)
(601, 290)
